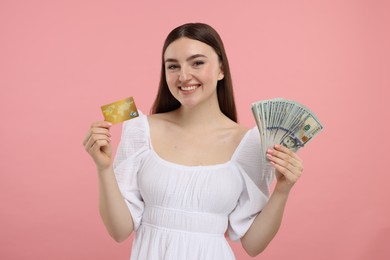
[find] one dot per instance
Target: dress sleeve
(127, 162)
(257, 178)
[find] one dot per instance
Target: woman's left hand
(288, 167)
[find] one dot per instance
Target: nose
(185, 74)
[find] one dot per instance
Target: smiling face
(192, 70)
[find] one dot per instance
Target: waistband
(187, 221)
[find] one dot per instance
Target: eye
(172, 66)
(198, 63)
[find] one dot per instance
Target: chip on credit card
(120, 111)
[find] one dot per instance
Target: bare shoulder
(241, 129)
(162, 126)
(236, 132)
(160, 121)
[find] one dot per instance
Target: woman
(188, 173)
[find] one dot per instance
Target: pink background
(61, 60)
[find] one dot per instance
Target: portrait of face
(192, 71)
(289, 142)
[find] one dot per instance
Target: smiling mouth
(189, 88)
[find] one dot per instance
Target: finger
(286, 159)
(284, 149)
(103, 124)
(286, 164)
(290, 177)
(100, 131)
(283, 158)
(87, 137)
(96, 139)
(287, 155)
(98, 145)
(97, 127)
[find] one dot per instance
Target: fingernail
(269, 151)
(277, 145)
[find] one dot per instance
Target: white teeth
(188, 87)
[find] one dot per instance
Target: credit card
(120, 111)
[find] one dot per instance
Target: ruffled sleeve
(257, 179)
(127, 162)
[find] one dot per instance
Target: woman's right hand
(97, 143)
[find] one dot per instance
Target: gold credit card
(120, 111)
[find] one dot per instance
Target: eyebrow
(188, 59)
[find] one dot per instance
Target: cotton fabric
(183, 212)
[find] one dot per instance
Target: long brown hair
(165, 101)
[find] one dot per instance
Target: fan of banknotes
(285, 122)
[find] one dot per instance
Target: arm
(113, 210)
(288, 168)
(112, 207)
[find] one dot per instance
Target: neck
(200, 116)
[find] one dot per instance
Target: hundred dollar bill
(284, 122)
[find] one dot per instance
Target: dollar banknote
(285, 122)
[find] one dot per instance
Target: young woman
(188, 173)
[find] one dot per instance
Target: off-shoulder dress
(183, 212)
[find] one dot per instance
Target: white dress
(183, 212)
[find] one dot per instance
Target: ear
(221, 75)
